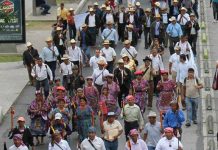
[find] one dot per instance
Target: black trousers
(129, 126)
(156, 79)
(147, 37)
(123, 91)
(52, 66)
(173, 41)
(192, 39)
(121, 29)
(110, 66)
(99, 87)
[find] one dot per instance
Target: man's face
(134, 137)
(97, 53)
(191, 74)
(192, 18)
(57, 137)
(21, 123)
(106, 46)
(147, 62)
(29, 47)
(169, 135)
(127, 45)
(131, 101)
(62, 6)
(91, 135)
(39, 62)
(66, 61)
(49, 43)
(177, 52)
(152, 120)
(73, 44)
(154, 52)
(121, 65)
(17, 142)
(111, 119)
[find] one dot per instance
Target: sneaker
(187, 124)
(214, 21)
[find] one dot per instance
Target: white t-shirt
(108, 53)
(174, 59)
(131, 50)
(13, 147)
(93, 61)
(66, 69)
(165, 144)
(75, 54)
(98, 76)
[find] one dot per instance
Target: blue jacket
(173, 120)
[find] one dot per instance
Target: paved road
(27, 95)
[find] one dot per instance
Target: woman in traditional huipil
(129, 63)
(166, 87)
(60, 92)
(140, 87)
(108, 100)
(113, 87)
(91, 94)
(63, 109)
(38, 112)
(85, 119)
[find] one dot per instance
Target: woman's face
(139, 77)
(165, 77)
(82, 102)
(89, 81)
(61, 104)
(105, 91)
(125, 58)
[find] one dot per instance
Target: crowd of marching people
(119, 88)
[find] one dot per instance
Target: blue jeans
(111, 145)
(151, 148)
(192, 108)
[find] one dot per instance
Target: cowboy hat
(65, 57)
(72, 41)
(172, 18)
(106, 42)
(28, 44)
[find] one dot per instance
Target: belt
(110, 141)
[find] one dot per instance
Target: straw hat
(101, 62)
(71, 9)
(58, 29)
(106, 42)
(175, 1)
(192, 14)
(28, 44)
(157, 16)
(183, 8)
(152, 114)
(131, 9)
(137, 4)
(130, 26)
(157, 4)
(124, 55)
(172, 18)
(91, 9)
(49, 39)
(72, 41)
(103, 6)
(108, 8)
(65, 57)
(109, 23)
(147, 10)
(84, 25)
(120, 61)
(96, 4)
(127, 42)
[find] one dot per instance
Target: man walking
(174, 31)
(132, 116)
(93, 62)
(153, 131)
(92, 142)
(192, 27)
(112, 129)
(110, 34)
(41, 72)
(110, 55)
(169, 141)
(29, 58)
(122, 75)
(191, 86)
(49, 55)
(174, 118)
